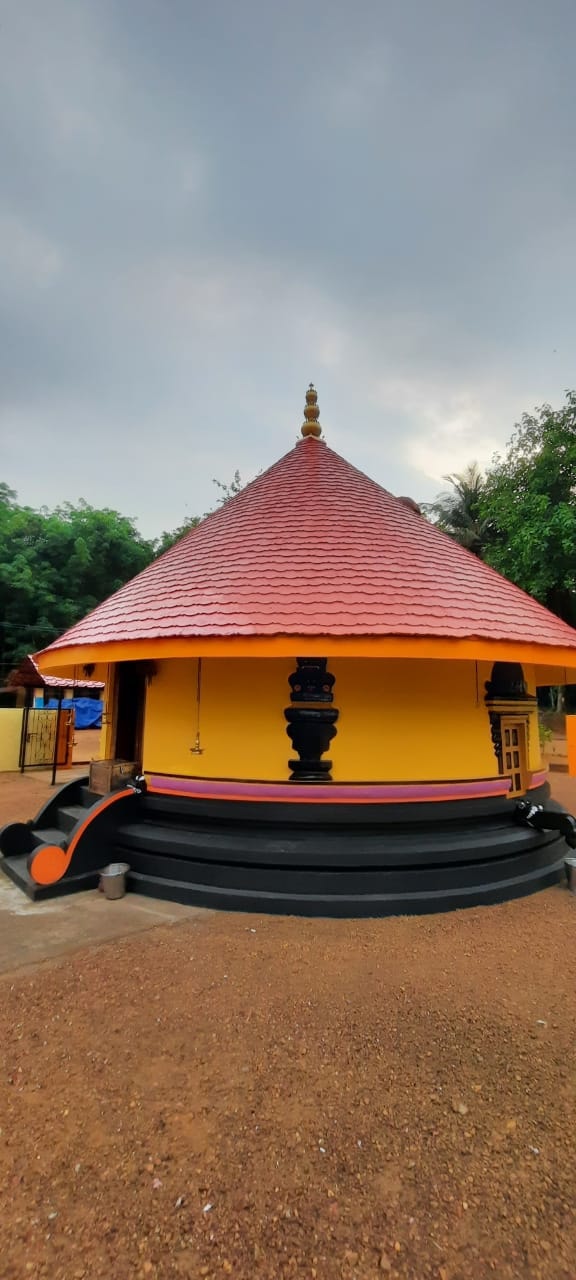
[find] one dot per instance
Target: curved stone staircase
(290, 858)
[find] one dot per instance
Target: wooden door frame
(141, 712)
(511, 721)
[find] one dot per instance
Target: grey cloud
(204, 206)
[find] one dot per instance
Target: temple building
(331, 707)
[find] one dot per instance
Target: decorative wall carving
(311, 682)
(507, 682)
(506, 694)
(311, 728)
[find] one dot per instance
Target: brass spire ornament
(311, 425)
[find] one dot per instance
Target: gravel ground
(276, 1098)
(22, 794)
(269, 1097)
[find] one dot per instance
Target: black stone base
(310, 770)
(317, 860)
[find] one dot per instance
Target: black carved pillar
(311, 726)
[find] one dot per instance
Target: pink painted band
(333, 792)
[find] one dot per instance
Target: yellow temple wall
(400, 720)
(10, 735)
(241, 721)
(535, 750)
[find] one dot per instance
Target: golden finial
(311, 425)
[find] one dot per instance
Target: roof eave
(560, 659)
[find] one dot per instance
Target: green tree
(230, 490)
(55, 566)
(528, 504)
(167, 539)
(459, 511)
(227, 491)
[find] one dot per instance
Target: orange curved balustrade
(50, 862)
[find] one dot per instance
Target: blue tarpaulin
(87, 711)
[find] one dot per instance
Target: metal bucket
(113, 880)
(570, 864)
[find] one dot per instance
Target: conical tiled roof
(313, 547)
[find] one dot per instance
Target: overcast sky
(205, 204)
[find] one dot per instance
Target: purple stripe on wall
(334, 793)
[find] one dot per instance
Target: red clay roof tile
(314, 547)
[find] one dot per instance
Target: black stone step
(49, 835)
(87, 797)
(333, 816)
(68, 816)
(266, 847)
(345, 882)
(386, 902)
(16, 869)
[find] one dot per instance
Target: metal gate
(38, 741)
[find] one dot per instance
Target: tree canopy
(56, 566)
(167, 539)
(529, 505)
(458, 510)
(521, 515)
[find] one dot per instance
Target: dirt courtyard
(271, 1097)
(86, 745)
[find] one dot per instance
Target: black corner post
(59, 695)
(24, 737)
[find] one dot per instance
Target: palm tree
(458, 513)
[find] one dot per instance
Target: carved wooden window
(515, 754)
